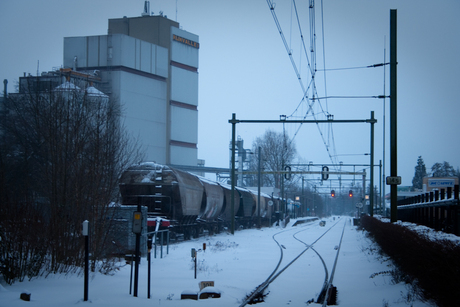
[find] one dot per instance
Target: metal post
(258, 189)
(393, 114)
(313, 205)
(364, 187)
(371, 192)
(149, 260)
(161, 245)
(137, 256)
(195, 264)
(155, 247)
(233, 121)
(131, 275)
(86, 235)
(382, 176)
(381, 203)
(282, 169)
(303, 201)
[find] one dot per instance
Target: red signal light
(350, 193)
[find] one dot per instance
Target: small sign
(396, 180)
(85, 227)
(441, 183)
(137, 222)
(205, 284)
(359, 205)
(270, 202)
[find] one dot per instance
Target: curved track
(258, 294)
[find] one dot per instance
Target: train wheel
(193, 232)
(186, 234)
(210, 230)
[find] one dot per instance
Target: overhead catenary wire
(312, 67)
(311, 84)
(355, 67)
(353, 97)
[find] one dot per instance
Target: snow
(238, 264)
(67, 86)
(92, 91)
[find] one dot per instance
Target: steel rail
(329, 284)
(261, 288)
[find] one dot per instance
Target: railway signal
(332, 193)
(288, 174)
(325, 173)
(350, 193)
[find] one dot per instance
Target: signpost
(194, 258)
(149, 260)
(86, 235)
(137, 229)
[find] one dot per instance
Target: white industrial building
(150, 66)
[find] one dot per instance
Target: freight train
(191, 205)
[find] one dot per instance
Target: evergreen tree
(420, 172)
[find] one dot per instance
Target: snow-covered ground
(237, 264)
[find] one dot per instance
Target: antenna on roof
(146, 11)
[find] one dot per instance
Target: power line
(356, 67)
(312, 66)
(352, 97)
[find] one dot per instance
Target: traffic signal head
(350, 193)
(332, 193)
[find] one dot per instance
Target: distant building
(438, 183)
(150, 66)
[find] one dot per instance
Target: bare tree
(277, 151)
(63, 151)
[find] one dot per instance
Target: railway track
(327, 291)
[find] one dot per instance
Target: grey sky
(244, 68)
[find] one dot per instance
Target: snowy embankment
(236, 264)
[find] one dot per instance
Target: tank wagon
(191, 205)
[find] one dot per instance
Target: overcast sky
(244, 69)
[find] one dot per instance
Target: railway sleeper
(332, 295)
(258, 298)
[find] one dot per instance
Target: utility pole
(258, 188)
(371, 192)
(233, 122)
(393, 114)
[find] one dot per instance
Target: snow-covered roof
(67, 86)
(92, 91)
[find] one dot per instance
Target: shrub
(433, 264)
